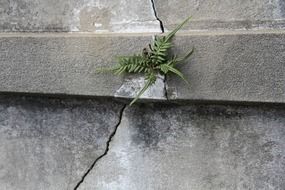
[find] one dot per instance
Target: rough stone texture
(77, 15)
(64, 64)
(198, 147)
(48, 144)
(226, 14)
(231, 67)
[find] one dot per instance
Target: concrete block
(226, 66)
(237, 66)
(49, 143)
(227, 14)
(63, 63)
(209, 147)
(77, 15)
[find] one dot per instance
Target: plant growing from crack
(154, 60)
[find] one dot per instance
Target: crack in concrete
(165, 87)
(157, 18)
(162, 31)
(131, 86)
(106, 150)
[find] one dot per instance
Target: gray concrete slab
(197, 147)
(77, 15)
(227, 14)
(64, 64)
(232, 67)
(226, 66)
(49, 143)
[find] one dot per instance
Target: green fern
(153, 61)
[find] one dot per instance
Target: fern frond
(131, 64)
(171, 34)
(105, 69)
(178, 73)
(186, 56)
(159, 50)
(152, 61)
(164, 68)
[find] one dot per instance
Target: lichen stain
(94, 19)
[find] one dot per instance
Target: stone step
(245, 66)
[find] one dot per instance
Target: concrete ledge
(232, 66)
(63, 64)
(243, 66)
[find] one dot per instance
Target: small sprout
(154, 60)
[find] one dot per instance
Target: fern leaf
(186, 56)
(171, 34)
(164, 68)
(120, 70)
(106, 69)
(159, 52)
(153, 60)
(175, 71)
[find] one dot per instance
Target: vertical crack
(106, 150)
(162, 31)
(165, 87)
(155, 14)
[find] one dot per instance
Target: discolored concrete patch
(194, 147)
(49, 143)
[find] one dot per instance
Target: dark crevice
(155, 14)
(106, 150)
(165, 87)
(162, 31)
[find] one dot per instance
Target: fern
(152, 61)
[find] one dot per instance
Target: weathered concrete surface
(226, 14)
(48, 144)
(64, 64)
(194, 147)
(77, 15)
(231, 67)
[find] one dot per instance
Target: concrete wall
(77, 16)
(50, 143)
(223, 15)
(195, 147)
(65, 126)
